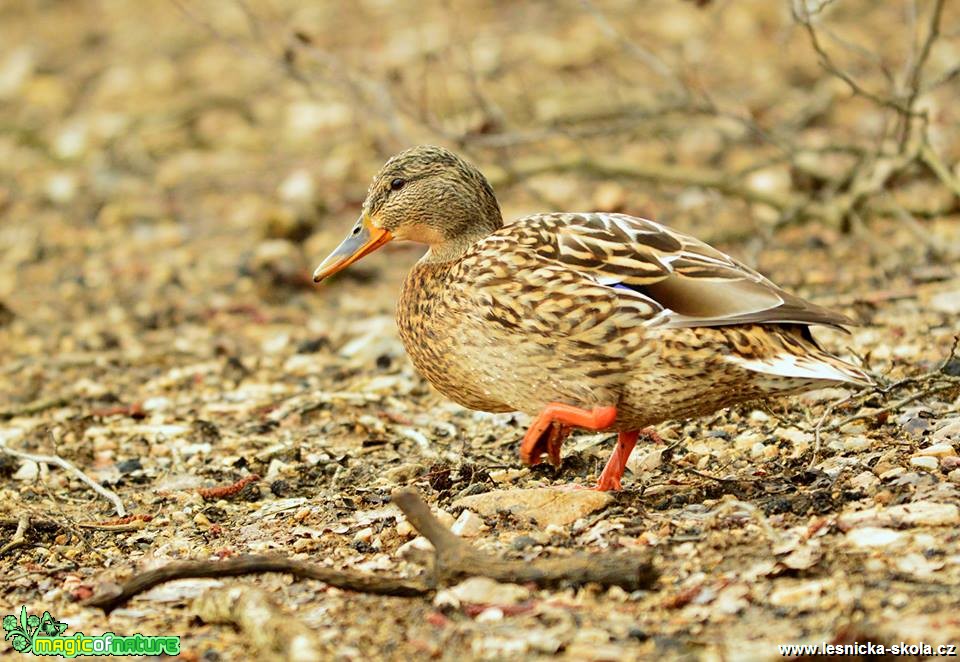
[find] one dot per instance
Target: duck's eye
(397, 184)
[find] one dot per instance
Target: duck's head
(426, 194)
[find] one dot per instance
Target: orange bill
(364, 238)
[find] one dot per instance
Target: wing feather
(692, 283)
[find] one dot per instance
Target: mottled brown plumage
(591, 310)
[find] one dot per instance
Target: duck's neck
(455, 248)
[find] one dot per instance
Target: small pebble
(925, 462)
(415, 550)
(481, 590)
(857, 443)
(363, 535)
(896, 472)
(866, 481)
(490, 615)
(938, 450)
(800, 595)
(404, 528)
(468, 525)
(29, 470)
(873, 536)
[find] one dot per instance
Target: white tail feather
(804, 367)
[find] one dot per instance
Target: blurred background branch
(653, 96)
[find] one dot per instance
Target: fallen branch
(454, 559)
(256, 564)
(19, 538)
(64, 464)
(930, 159)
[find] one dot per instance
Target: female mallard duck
(598, 321)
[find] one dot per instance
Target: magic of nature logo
(44, 635)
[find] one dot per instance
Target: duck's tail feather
(817, 366)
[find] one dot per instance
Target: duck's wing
(689, 282)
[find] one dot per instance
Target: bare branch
(109, 495)
(454, 560)
(19, 538)
(804, 17)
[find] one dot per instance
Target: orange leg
(550, 427)
(617, 464)
(558, 433)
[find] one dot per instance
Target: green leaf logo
(20, 632)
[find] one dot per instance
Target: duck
(597, 321)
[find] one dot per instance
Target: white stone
(417, 550)
(890, 474)
(759, 416)
(545, 505)
(404, 528)
(925, 462)
(641, 462)
(15, 69)
(919, 565)
(275, 469)
(747, 439)
(490, 615)
(29, 470)
(71, 142)
(801, 595)
(298, 188)
(157, 404)
(796, 436)
(857, 443)
(363, 535)
(949, 430)
(481, 590)
(938, 450)
(946, 302)
(918, 513)
(865, 480)
(61, 188)
(805, 556)
(925, 513)
(873, 536)
(468, 525)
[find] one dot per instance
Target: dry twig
(109, 495)
(352, 580)
(454, 559)
(19, 538)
